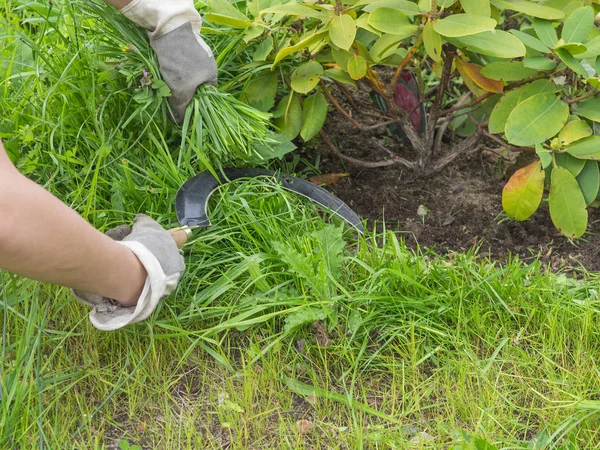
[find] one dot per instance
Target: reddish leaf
(406, 96)
(328, 178)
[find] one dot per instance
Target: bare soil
(463, 204)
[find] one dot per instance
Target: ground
(463, 203)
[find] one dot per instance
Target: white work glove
(158, 253)
(185, 60)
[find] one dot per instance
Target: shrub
(524, 76)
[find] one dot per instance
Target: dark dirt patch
(463, 203)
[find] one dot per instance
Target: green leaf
(433, 42)
(385, 46)
(340, 76)
(589, 181)
(572, 164)
(255, 7)
(295, 9)
(290, 116)
(225, 8)
(331, 247)
(409, 8)
(523, 193)
(314, 115)
(260, 93)
(573, 48)
(545, 31)
(392, 21)
(363, 22)
(531, 42)
(263, 49)
(494, 43)
(539, 63)
(571, 62)
(590, 109)
(544, 155)
(306, 76)
(536, 119)
(509, 101)
(303, 316)
(457, 25)
(592, 49)
(578, 25)
(567, 204)
(357, 67)
(306, 41)
(507, 71)
(219, 19)
(342, 31)
(477, 7)
(530, 8)
(573, 131)
(588, 148)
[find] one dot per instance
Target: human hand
(186, 61)
(158, 253)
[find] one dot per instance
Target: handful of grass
(217, 127)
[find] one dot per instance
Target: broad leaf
(314, 113)
(536, 119)
(531, 42)
(592, 49)
(573, 131)
(578, 25)
(523, 193)
(473, 71)
(507, 71)
(409, 8)
(530, 8)
(263, 49)
(544, 155)
(290, 116)
(432, 42)
(571, 62)
(589, 181)
(363, 22)
(545, 31)
(477, 7)
(306, 76)
(497, 43)
(572, 164)
(507, 104)
(385, 46)
(590, 109)
(295, 9)
(340, 76)
(342, 31)
(539, 63)
(220, 19)
(303, 316)
(458, 25)
(357, 67)
(567, 204)
(260, 92)
(588, 148)
(306, 41)
(225, 8)
(392, 21)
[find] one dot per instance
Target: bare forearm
(43, 239)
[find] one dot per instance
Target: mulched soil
(463, 202)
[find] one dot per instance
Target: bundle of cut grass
(218, 128)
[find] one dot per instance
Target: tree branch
(405, 61)
(583, 97)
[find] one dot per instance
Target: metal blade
(192, 197)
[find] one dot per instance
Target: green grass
(416, 342)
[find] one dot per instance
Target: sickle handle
(180, 235)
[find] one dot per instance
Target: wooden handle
(179, 235)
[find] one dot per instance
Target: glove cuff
(108, 315)
(160, 17)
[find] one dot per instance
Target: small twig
(352, 120)
(347, 94)
(369, 164)
(405, 61)
(506, 145)
(583, 97)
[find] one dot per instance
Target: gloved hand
(185, 60)
(158, 253)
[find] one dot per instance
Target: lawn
(287, 330)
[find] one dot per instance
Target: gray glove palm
(158, 253)
(186, 62)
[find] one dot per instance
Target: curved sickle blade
(192, 197)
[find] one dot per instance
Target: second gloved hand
(186, 62)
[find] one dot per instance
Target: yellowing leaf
(473, 72)
(357, 67)
(457, 25)
(573, 131)
(306, 76)
(523, 193)
(432, 42)
(342, 31)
